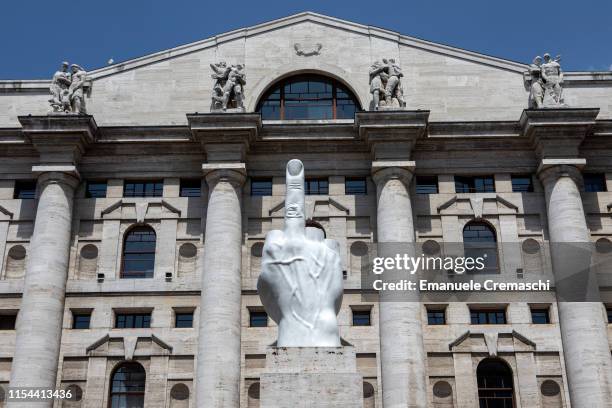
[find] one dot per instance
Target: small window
(362, 317)
(133, 320)
(427, 184)
(522, 183)
(488, 316)
(95, 189)
(540, 316)
(143, 188)
(25, 189)
(436, 317)
(355, 186)
(261, 187)
(594, 182)
(7, 321)
(474, 184)
(191, 188)
(81, 320)
(258, 318)
(183, 319)
(316, 186)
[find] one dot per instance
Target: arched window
(128, 386)
(495, 388)
(138, 253)
(479, 240)
(308, 97)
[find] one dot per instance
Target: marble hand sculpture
(301, 283)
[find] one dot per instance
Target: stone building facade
(151, 177)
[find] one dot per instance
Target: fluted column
(218, 360)
(39, 326)
(402, 355)
(583, 328)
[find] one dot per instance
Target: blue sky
(37, 35)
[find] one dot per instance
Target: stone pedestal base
(321, 377)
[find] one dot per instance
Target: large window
(488, 316)
(474, 184)
(479, 241)
(133, 188)
(495, 388)
(139, 253)
(133, 320)
(308, 97)
(128, 386)
(316, 186)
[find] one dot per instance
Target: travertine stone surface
(402, 354)
(218, 359)
(584, 334)
(40, 318)
(317, 377)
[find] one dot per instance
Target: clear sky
(37, 35)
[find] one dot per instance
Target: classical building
(135, 199)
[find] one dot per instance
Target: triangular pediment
(308, 48)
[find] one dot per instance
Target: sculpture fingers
(294, 200)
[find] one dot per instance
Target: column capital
(391, 135)
(557, 132)
(59, 176)
(224, 136)
(234, 173)
(552, 169)
(388, 170)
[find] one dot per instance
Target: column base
(322, 377)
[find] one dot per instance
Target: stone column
(556, 136)
(218, 360)
(60, 141)
(402, 355)
(39, 326)
(583, 328)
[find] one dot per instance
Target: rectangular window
(143, 188)
(191, 188)
(488, 316)
(25, 189)
(540, 316)
(261, 187)
(362, 317)
(594, 182)
(133, 320)
(316, 186)
(95, 189)
(427, 184)
(7, 321)
(258, 318)
(522, 183)
(183, 319)
(474, 184)
(81, 320)
(436, 316)
(355, 186)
